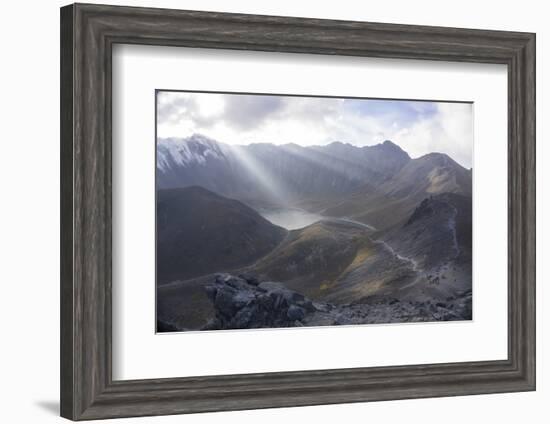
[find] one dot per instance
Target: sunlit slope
(311, 258)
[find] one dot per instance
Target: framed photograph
(266, 211)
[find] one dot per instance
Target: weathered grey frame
(88, 33)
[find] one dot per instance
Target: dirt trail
(412, 263)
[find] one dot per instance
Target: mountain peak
(339, 145)
(439, 159)
(201, 139)
(388, 149)
(389, 145)
(195, 149)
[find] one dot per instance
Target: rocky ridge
(243, 302)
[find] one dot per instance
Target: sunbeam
(316, 157)
(272, 187)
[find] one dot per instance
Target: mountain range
(337, 179)
(381, 225)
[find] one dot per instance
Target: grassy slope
(313, 257)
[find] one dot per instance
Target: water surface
(289, 218)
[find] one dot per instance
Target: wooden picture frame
(88, 33)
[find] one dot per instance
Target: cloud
(249, 112)
(449, 130)
(419, 127)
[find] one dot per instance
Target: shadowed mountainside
(199, 232)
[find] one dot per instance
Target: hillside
(310, 259)
(388, 204)
(199, 232)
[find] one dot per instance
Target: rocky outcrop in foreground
(244, 302)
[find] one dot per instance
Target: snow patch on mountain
(196, 149)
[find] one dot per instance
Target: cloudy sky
(418, 127)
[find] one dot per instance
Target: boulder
(244, 302)
(295, 313)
